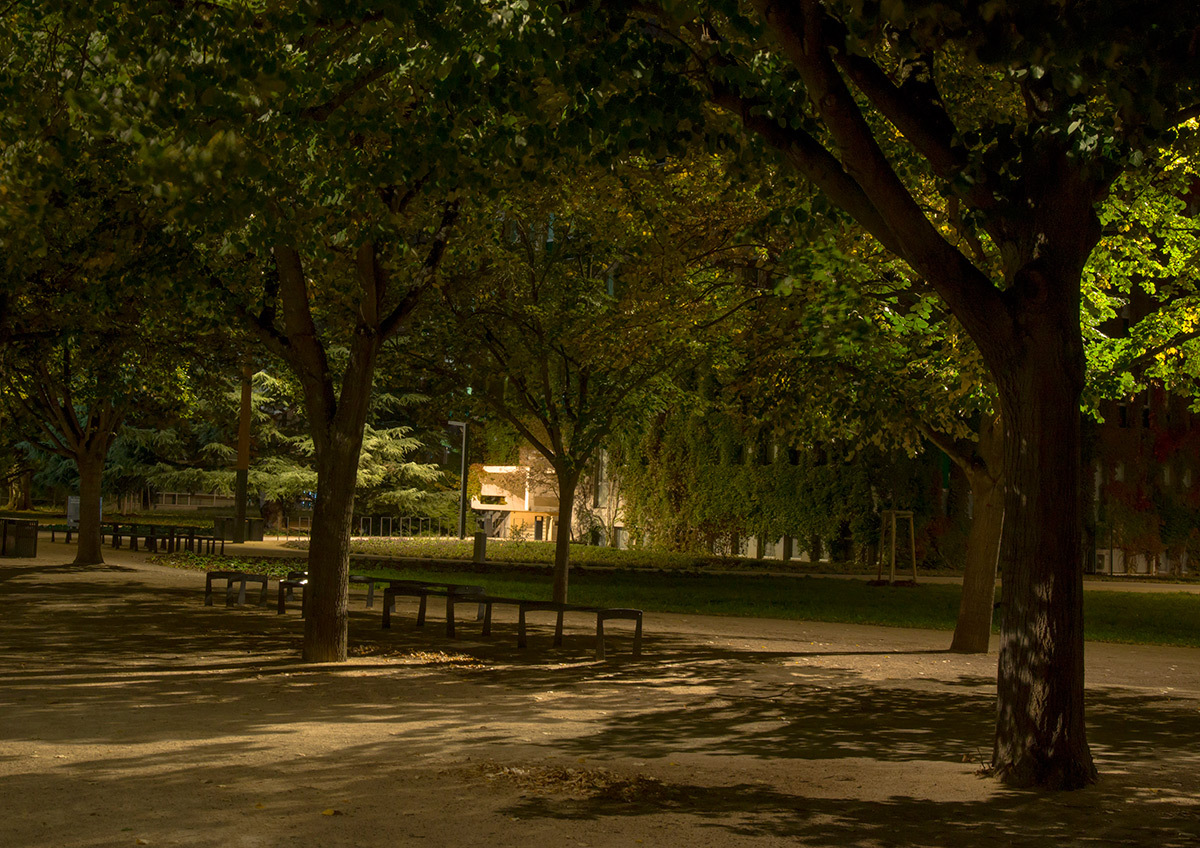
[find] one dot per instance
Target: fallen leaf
(332, 812)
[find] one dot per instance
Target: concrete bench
(422, 590)
(231, 577)
(603, 614)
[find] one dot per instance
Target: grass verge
(1129, 617)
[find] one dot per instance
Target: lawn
(504, 551)
(1138, 618)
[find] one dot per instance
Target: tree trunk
(325, 629)
(973, 629)
(24, 493)
(91, 473)
(1040, 736)
(568, 479)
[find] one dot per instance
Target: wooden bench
(299, 580)
(287, 586)
(173, 538)
(231, 577)
(423, 590)
(65, 529)
(603, 614)
(198, 541)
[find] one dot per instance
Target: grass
(1129, 617)
(504, 551)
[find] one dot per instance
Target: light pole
(462, 492)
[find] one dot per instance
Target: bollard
(480, 547)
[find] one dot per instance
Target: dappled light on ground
(132, 711)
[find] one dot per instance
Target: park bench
(287, 587)
(231, 577)
(66, 529)
(422, 590)
(299, 579)
(198, 541)
(524, 606)
(171, 537)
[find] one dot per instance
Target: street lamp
(462, 493)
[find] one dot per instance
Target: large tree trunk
(1040, 736)
(567, 482)
(338, 449)
(91, 473)
(325, 630)
(973, 629)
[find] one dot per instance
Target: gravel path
(131, 714)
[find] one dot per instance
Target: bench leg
(599, 637)
(229, 581)
(283, 591)
(450, 616)
(486, 611)
(521, 627)
(242, 592)
(371, 595)
(421, 611)
(208, 590)
(558, 628)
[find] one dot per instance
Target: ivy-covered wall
(696, 481)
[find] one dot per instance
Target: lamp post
(462, 492)
(243, 456)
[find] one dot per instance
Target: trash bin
(20, 537)
(223, 528)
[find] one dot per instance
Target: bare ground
(131, 714)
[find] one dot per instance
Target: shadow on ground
(110, 657)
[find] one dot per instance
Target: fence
(381, 526)
(387, 526)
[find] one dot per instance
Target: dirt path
(131, 714)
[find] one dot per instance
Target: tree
(588, 296)
(870, 358)
(93, 332)
(195, 454)
(993, 201)
(310, 158)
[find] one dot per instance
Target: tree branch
(323, 111)
(427, 275)
(801, 33)
(1146, 358)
